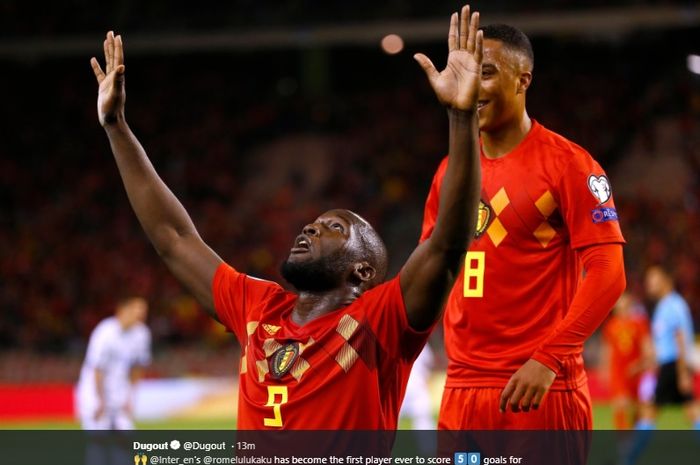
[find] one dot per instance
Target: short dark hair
(125, 300)
(512, 38)
(373, 250)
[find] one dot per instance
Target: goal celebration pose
(345, 338)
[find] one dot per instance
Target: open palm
(457, 86)
(111, 94)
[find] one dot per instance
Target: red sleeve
(236, 295)
(602, 286)
(433, 201)
(587, 204)
(386, 314)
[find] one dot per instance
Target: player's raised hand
(457, 86)
(111, 95)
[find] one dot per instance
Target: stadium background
(260, 115)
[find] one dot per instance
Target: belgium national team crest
(283, 359)
(482, 219)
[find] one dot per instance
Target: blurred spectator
(628, 353)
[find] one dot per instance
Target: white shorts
(112, 418)
(109, 420)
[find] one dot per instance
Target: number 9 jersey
(539, 203)
(345, 370)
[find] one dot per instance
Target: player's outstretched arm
(429, 273)
(162, 216)
(602, 286)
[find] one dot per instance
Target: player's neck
(502, 141)
(665, 292)
(311, 305)
(123, 323)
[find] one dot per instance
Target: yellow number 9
(272, 392)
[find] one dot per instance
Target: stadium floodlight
(694, 64)
(392, 44)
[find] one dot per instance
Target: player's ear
(524, 81)
(363, 272)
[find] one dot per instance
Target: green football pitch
(670, 419)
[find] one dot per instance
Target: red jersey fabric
(539, 203)
(347, 369)
(470, 409)
(625, 337)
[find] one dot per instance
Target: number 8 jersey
(539, 203)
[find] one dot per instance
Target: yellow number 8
(474, 267)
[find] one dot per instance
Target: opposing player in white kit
(417, 402)
(119, 347)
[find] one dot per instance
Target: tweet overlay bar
(349, 448)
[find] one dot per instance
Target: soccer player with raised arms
(518, 316)
(345, 339)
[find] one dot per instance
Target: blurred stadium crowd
(72, 16)
(256, 149)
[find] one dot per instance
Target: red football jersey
(625, 337)
(539, 202)
(347, 369)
